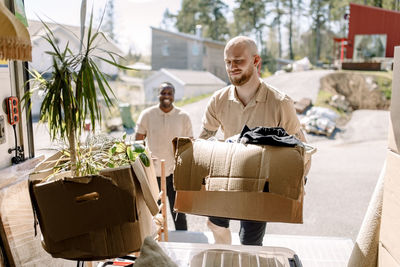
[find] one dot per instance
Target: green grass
(385, 74)
(385, 85)
(323, 98)
(185, 101)
(323, 101)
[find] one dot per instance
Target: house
(188, 83)
(64, 34)
(373, 32)
(174, 50)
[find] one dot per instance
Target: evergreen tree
(168, 21)
(319, 13)
(108, 21)
(249, 18)
(208, 13)
(212, 19)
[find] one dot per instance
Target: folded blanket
(152, 255)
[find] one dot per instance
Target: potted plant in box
(70, 96)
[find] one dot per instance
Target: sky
(133, 18)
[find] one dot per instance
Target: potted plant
(71, 92)
(79, 216)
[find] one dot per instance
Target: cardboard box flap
(183, 158)
(255, 206)
(67, 208)
(238, 167)
(286, 170)
(148, 184)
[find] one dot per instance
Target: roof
(140, 66)
(36, 30)
(189, 36)
(190, 77)
(375, 8)
(194, 77)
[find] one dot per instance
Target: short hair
(166, 85)
(250, 43)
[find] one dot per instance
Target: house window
(155, 94)
(195, 49)
(367, 46)
(165, 50)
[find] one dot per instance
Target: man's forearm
(205, 134)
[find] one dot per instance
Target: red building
(373, 32)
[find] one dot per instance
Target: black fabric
(178, 218)
(273, 136)
(250, 233)
(223, 222)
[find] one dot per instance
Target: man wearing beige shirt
(248, 101)
(160, 124)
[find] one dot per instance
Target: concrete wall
(195, 90)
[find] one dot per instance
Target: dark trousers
(250, 233)
(178, 218)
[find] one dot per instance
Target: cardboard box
(95, 217)
(389, 235)
(228, 179)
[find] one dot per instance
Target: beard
(166, 103)
(243, 79)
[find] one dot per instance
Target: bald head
(241, 60)
(244, 42)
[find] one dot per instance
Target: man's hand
(205, 134)
(300, 135)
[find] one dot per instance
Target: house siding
(176, 48)
(186, 52)
(373, 20)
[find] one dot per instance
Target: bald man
(247, 101)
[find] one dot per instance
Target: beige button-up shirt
(268, 108)
(160, 129)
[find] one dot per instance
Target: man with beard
(160, 124)
(247, 101)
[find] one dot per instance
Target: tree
(108, 23)
(213, 20)
(277, 23)
(319, 13)
(208, 13)
(249, 18)
(289, 5)
(169, 20)
(186, 19)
